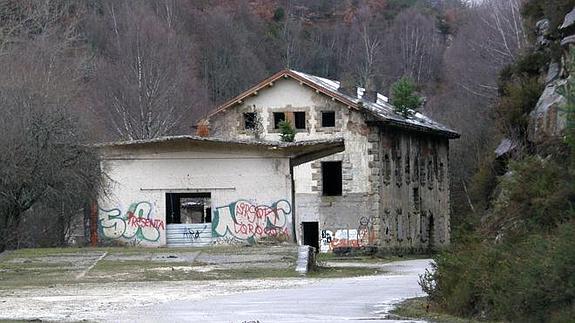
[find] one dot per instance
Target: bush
(526, 280)
(538, 194)
(519, 99)
(287, 132)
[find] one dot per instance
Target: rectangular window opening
(299, 120)
(278, 117)
(185, 208)
(328, 118)
(250, 121)
(331, 178)
(416, 200)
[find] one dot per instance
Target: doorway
(311, 234)
(188, 219)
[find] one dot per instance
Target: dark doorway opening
(188, 208)
(311, 234)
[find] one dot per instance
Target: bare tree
(146, 84)
(229, 60)
(43, 163)
(413, 48)
(490, 38)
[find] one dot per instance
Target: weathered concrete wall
(375, 209)
(415, 191)
(250, 192)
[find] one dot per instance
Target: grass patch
(322, 257)
(52, 266)
(420, 308)
(338, 272)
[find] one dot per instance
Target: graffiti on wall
(193, 235)
(136, 224)
(246, 221)
(363, 236)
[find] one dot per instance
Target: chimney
(203, 128)
(347, 85)
(370, 94)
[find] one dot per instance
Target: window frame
(275, 116)
(323, 113)
(296, 119)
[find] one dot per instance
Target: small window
(328, 118)
(331, 178)
(416, 200)
(278, 117)
(250, 121)
(299, 120)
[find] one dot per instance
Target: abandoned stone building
(390, 187)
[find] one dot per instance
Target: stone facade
(394, 182)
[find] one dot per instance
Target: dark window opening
(188, 208)
(328, 119)
(278, 117)
(331, 178)
(299, 120)
(416, 200)
(250, 121)
(386, 169)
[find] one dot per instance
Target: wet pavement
(356, 299)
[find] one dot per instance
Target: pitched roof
(382, 111)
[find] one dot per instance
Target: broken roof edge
(450, 134)
(217, 140)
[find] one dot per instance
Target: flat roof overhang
(299, 152)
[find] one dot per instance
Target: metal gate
(189, 234)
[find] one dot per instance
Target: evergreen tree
(403, 97)
(287, 132)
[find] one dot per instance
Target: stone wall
(414, 191)
(366, 213)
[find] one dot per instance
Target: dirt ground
(90, 283)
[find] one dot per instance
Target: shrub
(520, 97)
(403, 97)
(538, 194)
(524, 280)
(287, 132)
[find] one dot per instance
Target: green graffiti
(136, 224)
(246, 221)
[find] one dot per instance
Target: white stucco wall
(139, 179)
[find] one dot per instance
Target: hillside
(513, 260)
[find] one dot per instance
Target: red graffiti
(259, 231)
(144, 222)
(258, 213)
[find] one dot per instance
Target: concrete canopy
(298, 152)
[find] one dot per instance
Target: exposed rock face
(542, 30)
(553, 72)
(547, 120)
(569, 20)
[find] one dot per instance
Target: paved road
(347, 300)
